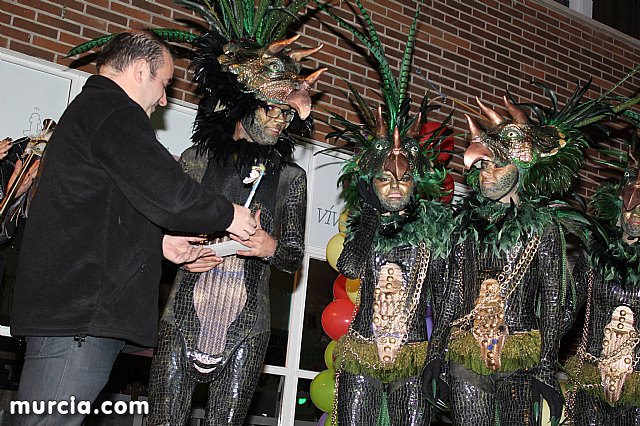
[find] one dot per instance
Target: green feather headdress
(263, 23)
(232, 19)
(374, 139)
(610, 198)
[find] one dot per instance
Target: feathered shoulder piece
(433, 224)
(241, 153)
(613, 257)
(498, 227)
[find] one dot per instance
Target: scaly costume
(511, 295)
(606, 369)
(396, 246)
(216, 325)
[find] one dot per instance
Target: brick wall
(463, 49)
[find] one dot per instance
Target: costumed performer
(216, 324)
(511, 290)
(605, 371)
(397, 244)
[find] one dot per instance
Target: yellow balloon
(352, 287)
(334, 248)
(328, 354)
(342, 221)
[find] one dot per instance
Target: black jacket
(91, 257)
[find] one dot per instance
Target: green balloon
(322, 390)
(328, 354)
(329, 420)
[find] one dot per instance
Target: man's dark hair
(129, 46)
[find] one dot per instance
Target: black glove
(368, 195)
(553, 397)
(435, 389)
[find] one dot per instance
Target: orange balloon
(351, 288)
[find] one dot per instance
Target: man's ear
(140, 68)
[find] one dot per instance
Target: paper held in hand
(226, 248)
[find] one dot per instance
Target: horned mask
(513, 140)
(272, 72)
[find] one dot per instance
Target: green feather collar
(499, 227)
(433, 225)
(615, 259)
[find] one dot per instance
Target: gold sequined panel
(616, 360)
(389, 313)
(489, 328)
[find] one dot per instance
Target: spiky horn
(299, 54)
(493, 116)
(276, 46)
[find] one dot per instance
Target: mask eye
(275, 66)
(511, 133)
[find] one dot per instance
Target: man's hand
(28, 179)
(177, 249)
(261, 243)
(203, 263)
(244, 224)
(5, 146)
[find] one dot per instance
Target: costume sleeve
(125, 147)
(290, 250)
(448, 308)
(580, 276)
(194, 164)
(353, 258)
(549, 276)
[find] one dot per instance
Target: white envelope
(227, 248)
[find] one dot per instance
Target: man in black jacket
(90, 262)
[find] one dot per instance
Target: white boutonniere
(255, 176)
